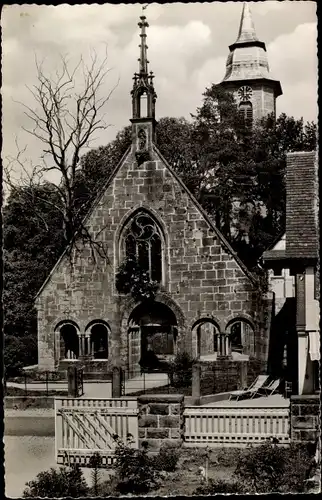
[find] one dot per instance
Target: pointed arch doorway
(152, 336)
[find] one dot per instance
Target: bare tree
(67, 112)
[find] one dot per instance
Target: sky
(187, 50)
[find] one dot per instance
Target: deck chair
(269, 389)
(260, 381)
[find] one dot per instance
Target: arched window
(206, 337)
(241, 337)
(99, 341)
(69, 342)
(143, 243)
(236, 336)
(143, 105)
(246, 113)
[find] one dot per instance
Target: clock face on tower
(245, 93)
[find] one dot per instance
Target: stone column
(243, 374)
(300, 328)
(116, 382)
(196, 380)
(80, 346)
(87, 346)
(303, 346)
(71, 380)
(227, 345)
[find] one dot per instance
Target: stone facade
(263, 98)
(204, 289)
(202, 278)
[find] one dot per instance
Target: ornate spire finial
(247, 31)
(143, 93)
(143, 46)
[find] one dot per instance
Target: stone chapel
(208, 303)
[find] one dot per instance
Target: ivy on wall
(131, 279)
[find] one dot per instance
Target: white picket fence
(85, 426)
(227, 426)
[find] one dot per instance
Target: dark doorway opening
(99, 341)
(157, 325)
(70, 342)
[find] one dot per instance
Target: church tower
(247, 72)
(143, 101)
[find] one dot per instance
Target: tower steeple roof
(247, 31)
(247, 58)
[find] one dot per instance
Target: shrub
(218, 486)
(271, 468)
(135, 471)
(181, 370)
(95, 463)
(62, 482)
(167, 459)
(228, 456)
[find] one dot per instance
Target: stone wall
(305, 415)
(161, 420)
(226, 375)
(202, 278)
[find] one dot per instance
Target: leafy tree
(32, 241)
(19, 352)
(98, 164)
(57, 483)
(244, 170)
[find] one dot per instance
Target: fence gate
(86, 426)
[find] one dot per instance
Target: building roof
(302, 205)
(276, 255)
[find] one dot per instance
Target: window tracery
(143, 244)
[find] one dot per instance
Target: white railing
(227, 426)
(84, 426)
